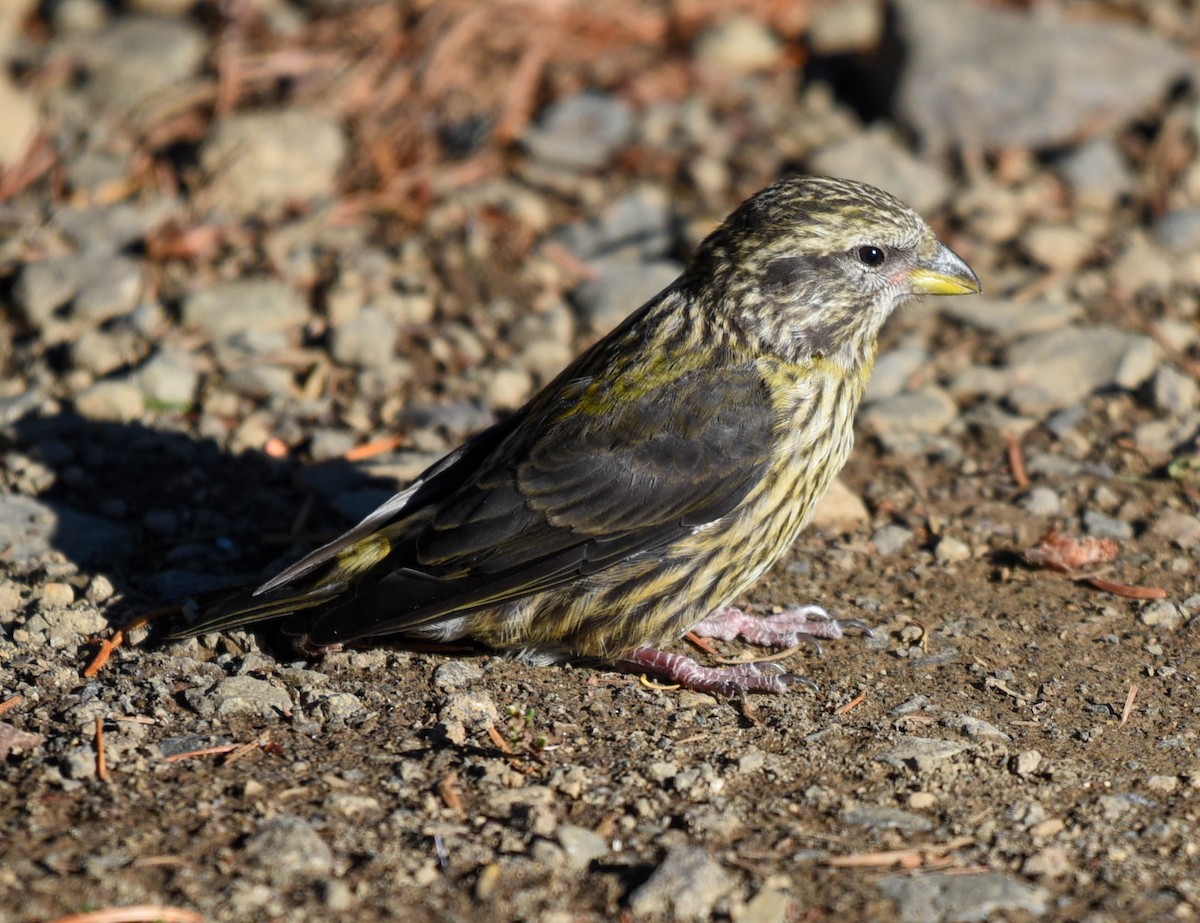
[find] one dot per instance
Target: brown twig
(101, 762)
(932, 855)
(851, 705)
(135, 913)
(1128, 591)
(1016, 461)
(11, 703)
(108, 645)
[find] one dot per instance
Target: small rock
(892, 372)
(847, 26)
(1161, 613)
(878, 157)
(137, 58)
(112, 288)
(110, 400)
(471, 709)
(56, 595)
(1042, 501)
(622, 284)
(455, 675)
(840, 509)
(368, 340)
(879, 818)
(950, 550)
(1104, 526)
(974, 728)
(169, 379)
(580, 845)
(891, 539)
(1174, 393)
(1010, 319)
(1166, 784)
(1178, 528)
(581, 132)
(686, 886)
(929, 410)
(738, 46)
(1027, 763)
(286, 847)
(769, 905)
(1179, 230)
(923, 754)
(1060, 247)
(239, 695)
(1067, 365)
(1141, 266)
(937, 896)
(1097, 172)
(1051, 862)
(234, 307)
(19, 116)
(264, 161)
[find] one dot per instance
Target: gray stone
(286, 847)
(581, 132)
(239, 695)
(637, 224)
(580, 845)
(138, 58)
(1174, 393)
(929, 410)
(169, 379)
(685, 886)
(846, 26)
(893, 370)
(99, 353)
(1042, 501)
(1010, 319)
(1178, 528)
(1025, 80)
(937, 897)
(264, 161)
(456, 675)
(922, 754)
(113, 286)
(248, 304)
(891, 539)
(1141, 265)
(1105, 526)
(45, 286)
(1069, 364)
(368, 340)
(1179, 230)
(974, 728)
(1097, 172)
(877, 156)
(118, 400)
(883, 818)
(622, 285)
(1161, 613)
(472, 709)
(949, 550)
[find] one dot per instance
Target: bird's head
(814, 265)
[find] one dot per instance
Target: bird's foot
(304, 646)
(731, 681)
(783, 629)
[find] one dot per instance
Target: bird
(655, 479)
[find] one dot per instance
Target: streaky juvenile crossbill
(659, 475)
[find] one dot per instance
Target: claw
(856, 623)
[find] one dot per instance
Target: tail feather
(245, 609)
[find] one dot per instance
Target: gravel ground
(239, 242)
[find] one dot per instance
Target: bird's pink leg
(746, 677)
(783, 629)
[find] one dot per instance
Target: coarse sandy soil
(1011, 743)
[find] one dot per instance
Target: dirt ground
(1012, 743)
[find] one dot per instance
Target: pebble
(1161, 613)
(738, 46)
(472, 709)
(1105, 526)
(884, 818)
(950, 549)
(878, 157)
(891, 539)
(1141, 265)
(265, 161)
(115, 399)
(1179, 230)
(893, 370)
(1173, 392)
(1042, 501)
(1181, 529)
(921, 754)
(1010, 319)
(286, 847)
(169, 379)
(937, 896)
(456, 675)
(137, 58)
(56, 595)
(1067, 365)
(1051, 862)
(847, 26)
(929, 410)
(1058, 247)
(840, 508)
(620, 286)
(1026, 763)
(239, 695)
(367, 340)
(769, 905)
(1097, 172)
(1025, 81)
(580, 845)
(974, 728)
(111, 288)
(19, 116)
(636, 224)
(686, 886)
(226, 310)
(581, 132)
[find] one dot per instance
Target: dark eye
(871, 256)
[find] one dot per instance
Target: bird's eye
(871, 256)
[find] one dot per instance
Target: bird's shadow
(165, 516)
